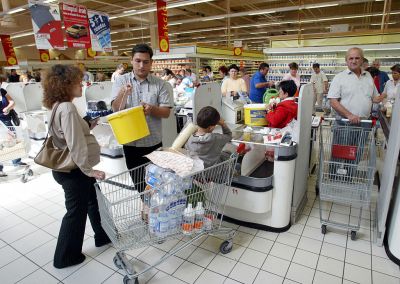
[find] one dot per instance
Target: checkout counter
(387, 229)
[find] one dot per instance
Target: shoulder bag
(51, 157)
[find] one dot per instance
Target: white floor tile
(242, 239)
(53, 228)
(38, 277)
(336, 239)
(168, 245)
(385, 266)
(7, 255)
(201, 257)
(140, 266)
(116, 278)
(267, 235)
(221, 265)
(244, 273)
(342, 209)
(231, 281)
(17, 270)
(315, 213)
(208, 277)
(313, 222)
(379, 251)
(90, 249)
(247, 230)
(339, 218)
(151, 255)
(310, 245)
(302, 219)
(296, 229)
(61, 274)
(15, 233)
(365, 223)
(43, 254)
(333, 251)
(359, 245)
(276, 265)
(9, 222)
(288, 239)
(323, 278)
(170, 265)
(384, 278)
(211, 244)
(358, 258)
(236, 252)
(163, 278)
(357, 274)
(186, 252)
(188, 272)
(330, 266)
(288, 281)
(253, 258)
(2, 244)
(42, 220)
(282, 251)
(136, 252)
(300, 273)
(107, 257)
(261, 244)
(28, 213)
(93, 272)
(313, 233)
(32, 241)
(264, 277)
(305, 258)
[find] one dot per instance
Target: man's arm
(120, 101)
(343, 112)
(156, 111)
(265, 84)
(325, 87)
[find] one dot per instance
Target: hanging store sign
(162, 18)
(90, 53)
(237, 51)
(46, 22)
(44, 55)
(100, 36)
(8, 50)
(76, 25)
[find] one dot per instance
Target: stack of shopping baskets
(135, 215)
(346, 168)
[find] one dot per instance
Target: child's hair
(294, 65)
(207, 116)
(289, 87)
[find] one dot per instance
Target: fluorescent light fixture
(261, 13)
(13, 11)
(132, 38)
(185, 3)
(25, 45)
(174, 24)
(392, 23)
(199, 37)
(49, 1)
(321, 6)
(22, 35)
(214, 18)
(129, 11)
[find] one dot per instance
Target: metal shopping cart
(15, 144)
(124, 208)
(346, 169)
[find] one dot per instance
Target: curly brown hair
(58, 82)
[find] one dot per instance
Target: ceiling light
(13, 11)
(261, 13)
(174, 24)
(321, 6)
(22, 35)
(392, 23)
(49, 1)
(129, 11)
(213, 18)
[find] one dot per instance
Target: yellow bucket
(129, 125)
(254, 115)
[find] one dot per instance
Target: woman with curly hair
(61, 85)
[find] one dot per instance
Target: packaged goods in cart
(188, 220)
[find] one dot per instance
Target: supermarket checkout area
(387, 227)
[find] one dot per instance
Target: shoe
(2, 174)
(102, 242)
(79, 260)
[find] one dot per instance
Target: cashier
(137, 88)
(233, 85)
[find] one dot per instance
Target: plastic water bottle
(154, 175)
(199, 217)
(188, 220)
(155, 202)
(181, 204)
(162, 219)
(172, 210)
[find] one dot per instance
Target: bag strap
(53, 114)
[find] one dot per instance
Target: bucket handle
(123, 97)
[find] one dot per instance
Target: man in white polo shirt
(352, 91)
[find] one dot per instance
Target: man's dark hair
(142, 48)
(395, 68)
(168, 72)
(294, 65)
(233, 66)
(207, 68)
(315, 65)
(289, 87)
(207, 116)
(12, 70)
(263, 66)
(188, 70)
(373, 71)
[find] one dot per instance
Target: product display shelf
(173, 64)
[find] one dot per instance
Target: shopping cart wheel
(24, 178)
(323, 229)
(127, 280)
(353, 235)
(226, 247)
(117, 263)
(30, 173)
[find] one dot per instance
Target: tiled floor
(30, 217)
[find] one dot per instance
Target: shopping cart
(123, 204)
(346, 169)
(15, 144)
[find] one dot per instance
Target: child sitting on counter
(205, 144)
(279, 115)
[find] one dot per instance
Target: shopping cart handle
(347, 120)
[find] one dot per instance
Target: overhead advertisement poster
(46, 22)
(100, 36)
(76, 25)
(162, 24)
(8, 50)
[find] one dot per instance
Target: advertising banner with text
(8, 50)
(162, 17)
(100, 36)
(76, 25)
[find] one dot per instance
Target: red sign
(76, 25)
(44, 55)
(8, 50)
(162, 18)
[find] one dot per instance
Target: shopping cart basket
(14, 144)
(346, 169)
(122, 204)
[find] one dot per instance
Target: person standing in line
(14, 77)
(118, 72)
(223, 72)
(383, 76)
(259, 83)
(209, 72)
(61, 84)
(233, 85)
(320, 85)
(137, 88)
(365, 63)
(293, 74)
